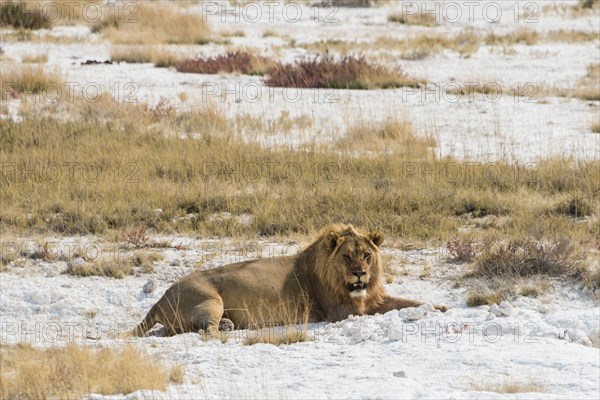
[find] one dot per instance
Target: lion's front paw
(226, 325)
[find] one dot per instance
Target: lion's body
(309, 287)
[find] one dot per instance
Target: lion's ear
(330, 240)
(376, 237)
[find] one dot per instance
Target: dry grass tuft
(576, 206)
(348, 73)
(74, 371)
(161, 57)
(525, 257)
(231, 62)
(590, 4)
(114, 268)
(285, 335)
(17, 79)
(392, 135)
(416, 18)
(571, 36)
(21, 15)
(519, 36)
(150, 23)
(476, 298)
(421, 46)
(462, 249)
(595, 127)
(414, 47)
(511, 386)
(145, 260)
(177, 374)
(35, 59)
(588, 88)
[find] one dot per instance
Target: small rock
(490, 316)
(505, 308)
(426, 307)
(396, 333)
(39, 298)
(149, 286)
(158, 212)
(77, 262)
(146, 395)
(400, 374)
(176, 262)
(237, 371)
(495, 310)
(355, 330)
(417, 314)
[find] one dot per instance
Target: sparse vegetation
(117, 268)
(414, 18)
(75, 371)
(589, 3)
(19, 15)
(510, 386)
(406, 193)
(152, 23)
(596, 127)
(476, 299)
(422, 45)
(531, 290)
(391, 135)
(571, 36)
(35, 59)
(462, 249)
(519, 36)
(414, 47)
(231, 62)
(277, 336)
(576, 206)
(492, 90)
(348, 73)
(159, 56)
(17, 79)
(145, 260)
(588, 88)
(527, 257)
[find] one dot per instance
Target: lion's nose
(359, 274)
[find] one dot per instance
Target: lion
(338, 275)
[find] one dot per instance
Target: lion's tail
(146, 324)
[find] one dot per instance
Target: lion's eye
(347, 257)
(367, 256)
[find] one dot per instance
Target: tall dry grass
(391, 135)
(74, 371)
(152, 23)
(16, 79)
(160, 56)
(112, 165)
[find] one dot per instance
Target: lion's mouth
(356, 287)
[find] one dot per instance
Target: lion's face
(355, 258)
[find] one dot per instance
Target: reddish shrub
(348, 73)
(231, 62)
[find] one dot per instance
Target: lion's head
(350, 262)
